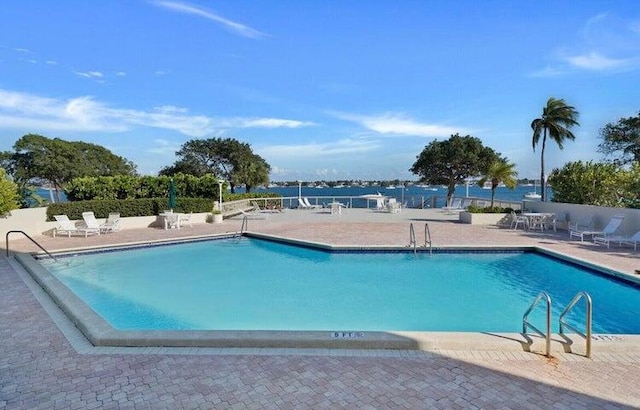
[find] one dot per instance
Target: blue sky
(320, 89)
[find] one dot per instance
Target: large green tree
(621, 140)
(226, 158)
(500, 171)
(56, 161)
(589, 183)
(453, 161)
(556, 122)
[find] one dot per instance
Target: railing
(427, 237)
(412, 237)
(245, 224)
(525, 322)
(563, 324)
(31, 239)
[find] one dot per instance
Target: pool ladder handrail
(245, 225)
(427, 237)
(587, 335)
(525, 322)
(412, 237)
(6, 238)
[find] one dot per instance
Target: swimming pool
(258, 285)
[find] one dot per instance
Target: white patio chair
(620, 240)
(65, 226)
(608, 230)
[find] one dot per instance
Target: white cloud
(51, 62)
(94, 75)
(314, 150)
(120, 73)
(26, 111)
(399, 124)
(597, 62)
(266, 123)
(232, 26)
(163, 147)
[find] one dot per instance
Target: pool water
(253, 284)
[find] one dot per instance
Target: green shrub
(127, 207)
(489, 210)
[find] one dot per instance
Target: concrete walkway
(42, 367)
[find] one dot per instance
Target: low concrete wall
(571, 212)
(33, 221)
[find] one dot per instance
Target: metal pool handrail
(525, 322)
(587, 334)
(412, 237)
(6, 237)
(427, 236)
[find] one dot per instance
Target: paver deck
(42, 367)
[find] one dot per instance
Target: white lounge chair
(581, 224)
(620, 240)
(258, 208)
(185, 219)
(454, 206)
(65, 226)
(608, 230)
(308, 204)
(113, 222)
(92, 223)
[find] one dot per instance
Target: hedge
(142, 207)
(127, 207)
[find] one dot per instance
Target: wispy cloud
(297, 151)
(605, 43)
(596, 62)
(232, 26)
(400, 124)
(90, 74)
(163, 146)
(27, 111)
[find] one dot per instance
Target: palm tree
(557, 118)
(499, 171)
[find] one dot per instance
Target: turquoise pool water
(254, 284)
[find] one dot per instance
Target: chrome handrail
(525, 322)
(245, 224)
(587, 334)
(427, 236)
(6, 237)
(412, 237)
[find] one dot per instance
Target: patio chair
(608, 230)
(454, 206)
(620, 240)
(518, 219)
(581, 224)
(308, 204)
(92, 223)
(258, 208)
(185, 219)
(113, 222)
(65, 226)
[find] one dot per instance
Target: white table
(537, 219)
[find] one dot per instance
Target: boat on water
(534, 195)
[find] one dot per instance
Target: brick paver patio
(41, 368)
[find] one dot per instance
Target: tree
(622, 140)
(251, 172)
(453, 161)
(500, 171)
(556, 120)
(224, 158)
(56, 161)
(8, 194)
(591, 183)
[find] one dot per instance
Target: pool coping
(99, 333)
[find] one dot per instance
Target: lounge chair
(113, 222)
(257, 208)
(454, 206)
(608, 230)
(65, 226)
(393, 206)
(620, 240)
(582, 224)
(92, 223)
(308, 204)
(253, 214)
